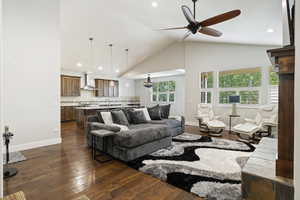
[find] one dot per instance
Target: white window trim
(264, 90)
(206, 90)
(167, 93)
(238, 90)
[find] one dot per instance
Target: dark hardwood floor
(67, 171)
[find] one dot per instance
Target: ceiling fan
(203, 27)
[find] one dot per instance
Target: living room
(83, 85)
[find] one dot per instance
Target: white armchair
(261, 126)
(208, 121)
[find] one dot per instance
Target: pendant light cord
(111, 57)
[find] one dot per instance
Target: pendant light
(87, 86)
(148, 83)
(112, 83)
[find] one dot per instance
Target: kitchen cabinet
(104, 88)
(68, 113)
(70, 86)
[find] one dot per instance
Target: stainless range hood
(86, 85)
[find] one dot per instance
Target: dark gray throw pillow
(165, 111)
(119, 117)
(127, 114)
(154, 112)
(137, 117)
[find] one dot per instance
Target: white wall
(198, 57)
(167, 59)
(297, 106)
(207, 57)
(31, 72)
(1, 102)
(177, 108)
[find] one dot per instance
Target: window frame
(207, 90)
(238, 90)
(168, 92)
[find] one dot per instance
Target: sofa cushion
(137, 137)
(119, 117)
(145, 111)
(154, 112)
(172, 123)
(165, 111)
(100, 119)
(138, 117)
(127, 114)
(145, 125)
(107, 118)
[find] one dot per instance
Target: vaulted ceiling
(131, 24)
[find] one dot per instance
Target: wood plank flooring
(67, 171)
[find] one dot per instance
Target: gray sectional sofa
(139, 140)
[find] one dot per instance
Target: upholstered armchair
(261, 126)
(208, 121)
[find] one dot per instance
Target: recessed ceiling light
(100, 68)
(154, 4)
(270, 30)
(79, 64)
(117, 70)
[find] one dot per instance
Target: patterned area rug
(208, 167)
(14, 157)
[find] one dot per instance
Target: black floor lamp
(8, 171)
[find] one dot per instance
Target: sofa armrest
(179, 118)
(97, 126)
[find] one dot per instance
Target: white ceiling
(132, 23)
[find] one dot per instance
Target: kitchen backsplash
(88, 97)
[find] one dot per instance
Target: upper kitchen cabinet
(70, 86)
(105, 89)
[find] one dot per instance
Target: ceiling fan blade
(186, 35)
(210, 31)
(220, 18)
(188, 14)
(175, 28)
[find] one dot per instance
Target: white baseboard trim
(33, 145)
(192, 123)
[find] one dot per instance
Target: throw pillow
(138, 117)
(119, 117)
(145, 111)
(165, 111)
(127, 114)
(100, 119)
(107, 118)
(154, 112)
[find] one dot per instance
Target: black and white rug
(208, 167)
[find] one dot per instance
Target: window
(164, 91)
(206, 84)
(243, 82)
(273, 87)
